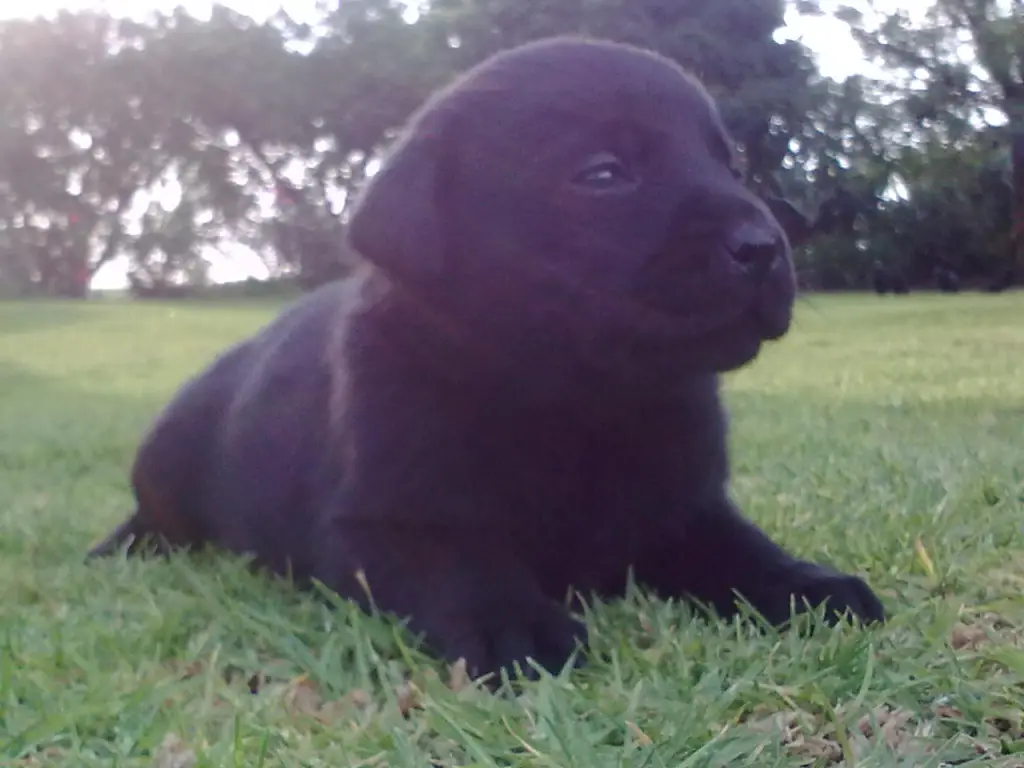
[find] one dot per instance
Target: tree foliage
(164, 141)
(956, 78)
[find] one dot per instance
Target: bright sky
(836, 52)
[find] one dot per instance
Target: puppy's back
(233, 458)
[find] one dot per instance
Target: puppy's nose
(755, 248)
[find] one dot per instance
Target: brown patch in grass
(173, 753)
(815, 739)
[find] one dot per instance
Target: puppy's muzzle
(756, 249)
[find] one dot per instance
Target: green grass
(883, 435)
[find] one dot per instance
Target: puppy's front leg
(717, 553)
(466, 594)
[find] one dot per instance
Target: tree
(83, 147)
(960, 69)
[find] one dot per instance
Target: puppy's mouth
(772, 308)
(715, 303)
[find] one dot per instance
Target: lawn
(883, 435)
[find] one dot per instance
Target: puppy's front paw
(500, 635)
(840, 593)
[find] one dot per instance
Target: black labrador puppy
(519, 395)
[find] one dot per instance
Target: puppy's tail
(132, 532)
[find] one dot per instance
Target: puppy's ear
(798, 227)
(396, 221)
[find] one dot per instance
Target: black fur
(520, 395)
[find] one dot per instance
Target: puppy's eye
(603, 170)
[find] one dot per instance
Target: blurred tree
(175, 137)
(85, 149)
(956, 70)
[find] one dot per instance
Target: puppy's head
(580, 199)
